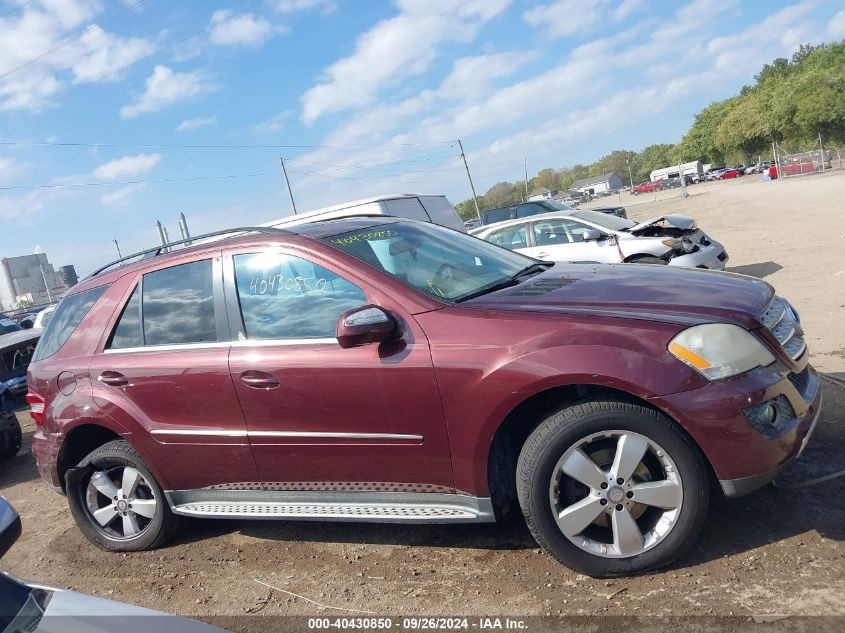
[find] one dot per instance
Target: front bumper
(742, 458)
(712, 257)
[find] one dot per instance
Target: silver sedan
(589, 236)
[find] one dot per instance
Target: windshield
(19, 605)
(7, 326)
(435, 260)
(607, 220)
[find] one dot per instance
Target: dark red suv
(377, 369)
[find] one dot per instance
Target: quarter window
(70, 311)
(511, 237)
(284, 297)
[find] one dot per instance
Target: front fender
(475, 415)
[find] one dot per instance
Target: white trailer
(675, 171)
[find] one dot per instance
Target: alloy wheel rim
(616, 494)
(121, 502)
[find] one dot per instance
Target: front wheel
(116, 501)
(612, 488)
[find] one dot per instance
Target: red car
(379, 369)
(729, 173)
(647, 186)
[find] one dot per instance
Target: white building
(29, 279)
(598, 184)
(674, 171)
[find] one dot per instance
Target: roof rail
(155, 251)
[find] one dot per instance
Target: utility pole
(526, 178)
(46, 285)
(117, 246)
(630, 174)
(290, 191)
(683, 181)
(471, 186)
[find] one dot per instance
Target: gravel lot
(779, 551)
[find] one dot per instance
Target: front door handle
(259, 379)
(113, 379)
(542, 254)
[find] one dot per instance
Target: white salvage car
(589, 236)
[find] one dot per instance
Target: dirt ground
(779, 551)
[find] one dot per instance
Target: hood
(677, 221)
(20, 337)
(685, 296)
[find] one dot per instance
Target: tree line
(791, 102)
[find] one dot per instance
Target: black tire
(119, 453)
(11, 438)
(570, 425)
(647, 259)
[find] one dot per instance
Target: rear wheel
(117, 502)
(11, 438)
(612, 488)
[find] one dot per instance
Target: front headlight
(719, 350)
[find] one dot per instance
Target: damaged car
(11, 437)
(588, 236)
(17, 345)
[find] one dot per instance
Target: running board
(379, 507)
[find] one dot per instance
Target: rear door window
(172, 306)
(283, 297)
(70, 311)
(499, 215)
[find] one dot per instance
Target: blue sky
(373, 94)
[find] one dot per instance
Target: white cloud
(836, 26)
(241, 30)
(165, 88)
(122, 193)
(195, 123)
(127, 166)
(39, 59)
(273, 125)
(291, 6)
(403, 45)
(471, 76)
(626, 8)
(566, 17)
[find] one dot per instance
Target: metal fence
(813, 161)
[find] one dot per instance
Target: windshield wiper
(513, 280)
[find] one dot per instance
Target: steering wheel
(446, 272)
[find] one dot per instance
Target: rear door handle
(113, 379)
(259, 379)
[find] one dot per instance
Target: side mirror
(591, 235)
(364, 325)
(27, 323)
(10, 526)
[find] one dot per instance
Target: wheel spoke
(129, 481)
(629, 451)
(584, 470)
(144, 507)
(626, 533)
(664, 494)
(104, 485)
(573, 519)
(130, 524)
(104, 516)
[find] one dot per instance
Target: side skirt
(378, 507)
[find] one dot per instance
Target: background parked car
(17, 346)
(726, 174)
(586, 236)
(527, 209)
(647, 186)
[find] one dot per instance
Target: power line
(133, 182)
(67, 42)
(146, 57)
(17, 8)
(208, 146)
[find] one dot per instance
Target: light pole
(630, 175)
